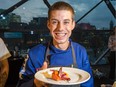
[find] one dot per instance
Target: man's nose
(60, 27)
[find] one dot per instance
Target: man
(112, 56)
(60, 24)
(4, 67)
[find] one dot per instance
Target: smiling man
(60, 51)
(61, 25)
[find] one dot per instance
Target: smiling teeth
(60, 34)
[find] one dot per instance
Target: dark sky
(100, 16)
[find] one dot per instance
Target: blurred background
(23, 25)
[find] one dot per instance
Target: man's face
(61, 25)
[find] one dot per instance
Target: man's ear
(73, 24)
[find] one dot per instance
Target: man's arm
(30, 81)
(4, 72)
(87, 67)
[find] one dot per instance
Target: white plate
(77, 76)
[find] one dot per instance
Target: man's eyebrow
(54, 19)
(66, 19)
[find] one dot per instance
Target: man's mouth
(60, 35)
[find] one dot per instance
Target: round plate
(77, 76)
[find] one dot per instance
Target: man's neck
(62, 46)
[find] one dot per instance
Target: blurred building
(15, 18)
(7, 19)
(86, 26)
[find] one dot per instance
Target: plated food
(57, 75)
(62, 76)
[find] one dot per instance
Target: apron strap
(47, 55)
(74, 56)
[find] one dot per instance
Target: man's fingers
(45, 65)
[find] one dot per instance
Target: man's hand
(45, 65)
(39, 83)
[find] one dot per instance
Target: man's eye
(54, 22)
(66, 22)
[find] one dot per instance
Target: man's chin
(60, 41)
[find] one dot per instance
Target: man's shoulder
(4, 53)
(39, 47)
(78, 45)
(1, 41)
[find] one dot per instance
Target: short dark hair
(60, 5)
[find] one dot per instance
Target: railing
(101, 56)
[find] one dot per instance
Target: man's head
(61, 6)
(61, 23)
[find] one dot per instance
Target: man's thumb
(45, 65)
